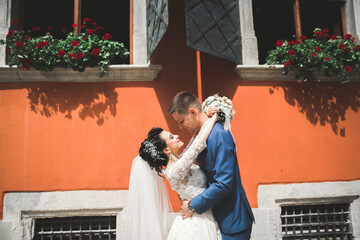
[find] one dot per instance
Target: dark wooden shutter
(213, 27)
(157, 21)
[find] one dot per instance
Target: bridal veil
(148, 205)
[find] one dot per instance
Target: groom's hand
(185, 212)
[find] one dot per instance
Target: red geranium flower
(94, 24)
(347, 37)
(347, 50)
(83, 26)
(98, 28)
(95, 52)
(10, 33)
(107, 36)
(27, 37)
(74, 25)
(291, 43)
(342, 46)
(90, 32)
(348, 68)
(291, 52)
(318, 34)
(325, 35)
(357, 48)
(327, 59)
(75, 43)
(333, 37)
(302, 37)
(19, 44)
(87, 20)
(317, 49)
(70, 55)
(288, 63)
(314, 54)
(279, 43)
(42, 44)
(79, 55)
(60, 53)
(326, 30)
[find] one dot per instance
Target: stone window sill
(116, 73)
(273, 73)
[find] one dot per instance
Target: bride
(147, 211)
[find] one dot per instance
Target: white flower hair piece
(151, 149)
(224, 105)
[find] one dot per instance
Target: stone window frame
(139, 70)
(272, 197)
(21, 209)
(251, 69)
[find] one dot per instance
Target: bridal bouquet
(225, 108)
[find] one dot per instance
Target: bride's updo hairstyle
(151, 150)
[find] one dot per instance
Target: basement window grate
(321, 222)
(76, 228)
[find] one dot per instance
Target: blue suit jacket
(225, 193)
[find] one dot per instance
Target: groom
(225, 193)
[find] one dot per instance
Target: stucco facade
(67, 139)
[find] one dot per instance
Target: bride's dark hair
(151, 150)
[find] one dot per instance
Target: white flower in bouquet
(225, 108)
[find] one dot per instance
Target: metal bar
(286, 223)
(80, 229)
(90, 230)
(301, 223)
(42, 230)
(318, 220)
(99, 228)
(78, 232)
(52, 230)
(61, 229)
(293, 213)
(342, 222)
(71, 230)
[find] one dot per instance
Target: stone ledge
(116, 73)
(273, 73)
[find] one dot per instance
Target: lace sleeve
(177, 173)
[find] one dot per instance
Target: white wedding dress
(188, 180)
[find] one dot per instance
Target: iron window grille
(76, 228)
(320, 221)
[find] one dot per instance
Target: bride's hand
(211, 111)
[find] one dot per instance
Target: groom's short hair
(182, 102)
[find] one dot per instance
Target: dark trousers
(243, 235)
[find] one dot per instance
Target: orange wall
(74, 136)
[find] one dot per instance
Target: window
(112, 15)
(286, 19)
(321, 221)
(97, 227)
